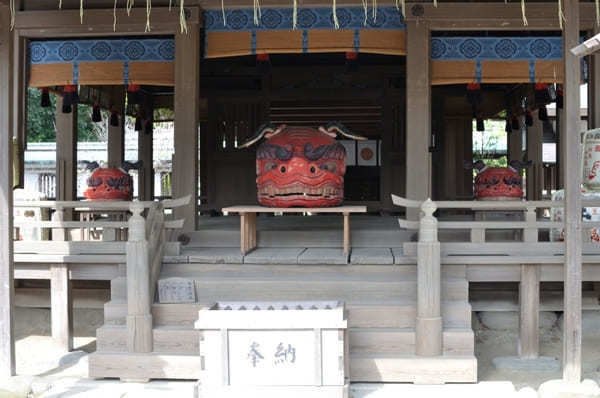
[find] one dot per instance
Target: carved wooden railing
(145, 251)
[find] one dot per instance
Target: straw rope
(129, 6)
(148, 11)
(81, 11)
(223, 11)
(257, 12)
(182, 21)
(523, 13)
(115, 16)
(11, 5)
(295, 15)
(366, 10)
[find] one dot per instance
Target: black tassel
(263, 63)
(351, 62)
(528, 119)
(149, 127)
(515, 123)
(559, 99)
(66, 107)
(114, 119)
(96, 115)
(46, 98)
(480, 125)
(542, 94)
(543, 113)
(138, 123)
(507, 127)
(74, 97)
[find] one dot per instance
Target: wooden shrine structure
(409, 317)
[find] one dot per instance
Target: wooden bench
(248, 220)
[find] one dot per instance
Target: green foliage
(41, 122)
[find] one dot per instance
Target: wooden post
(187, 90)
(66, 153)
(535, 173)
(418, 114)
(139, 316)
(529, 316)
(145, 154)
(7, 337)
(572, 270)
(429, 319)
(594, 87)
(61, 303)
(116, 135)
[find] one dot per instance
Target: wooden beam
(418, 114)
(116, 135)
(100, 22)
(187, 90)
(66, 153)
(7, 337)
(535, 173)
(572, 366)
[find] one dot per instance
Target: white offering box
(273, 349)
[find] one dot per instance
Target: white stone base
(540, 364)
(561, 389)
(201, 391)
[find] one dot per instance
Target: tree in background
(41, 122)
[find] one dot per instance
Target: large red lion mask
(300, 166)
(108, 183)
(499, 183)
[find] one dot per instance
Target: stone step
(118, 288)
(399, 314)
(363, 367)
(185, 340)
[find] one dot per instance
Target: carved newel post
(429, 319)
(139, 316)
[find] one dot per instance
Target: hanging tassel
(507, 126)
(134, 94)
(223, 11)
(115, 16)
(138, 123)
(559, 98)
(515, 125)
(523, 13)
(257, 13)
(66, 108)
(182, 21)
(542, 96)
(480, 125)
(70, 94)
(336, 23)
(543, 113)
(81, 11)
(528, 119)
(96, 115)
(149, 127)
(351, 62)
(295, 15)
(148, 11)
(114, 118)
(45, 103)
(561, 15)
(474, 96)
(263, 63)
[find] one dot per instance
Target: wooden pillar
(61, 305)
(428, 330)
(418, 114)
(571, 139)
(145, 152)
(7, 337)
(529, 315)
(594, 88)
(515, 144)
(116, 134)
(187, 90)
(535, 172)
(66, 153)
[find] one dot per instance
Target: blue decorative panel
(496, 48)
(143, 50)
(308, 18)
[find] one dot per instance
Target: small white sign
(176, 290)
(350, 146)
(367, 153)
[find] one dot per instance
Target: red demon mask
(300, 166)
(110, 183)
(499, 182)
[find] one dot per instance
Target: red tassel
(262, 57)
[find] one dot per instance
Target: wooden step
(363, 367)
(399, 314)
(402, 341)
(413, 369)
(129, 366)
(185, 340)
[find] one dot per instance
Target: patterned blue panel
(496, 48)
(49, 52)
(387, 18)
